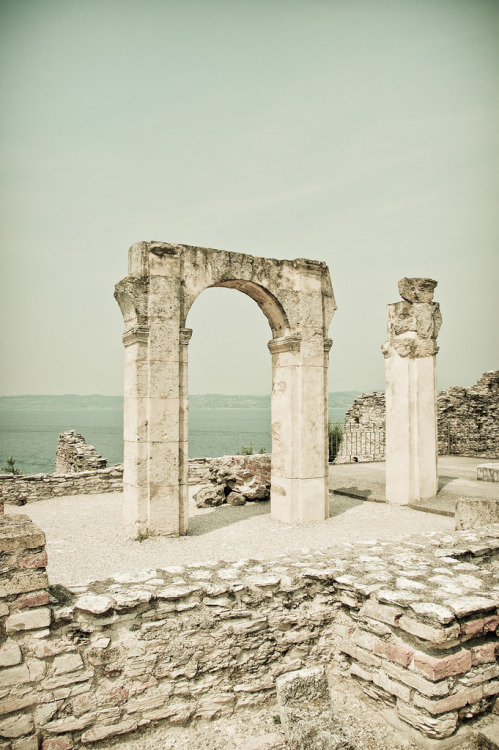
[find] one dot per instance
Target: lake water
(31, 435)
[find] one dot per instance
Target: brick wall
(416, 620)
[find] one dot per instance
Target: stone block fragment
(26, 743)
(10, 654)
(436, 669)
(16, 726)
(57, 743)
(14, 676)
(18, 533)
(437, 727)
(488, 472)
(34, 619)
(102, 733)
(67, 663)
(472, 512)
(235, 498)
(488, 737)
(209, 495)
(94, 603)
(306, 712)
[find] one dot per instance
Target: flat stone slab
(472, 512)
(488, 472)
(306, 712)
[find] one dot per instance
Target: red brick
(33, 599)
(437, 669)
(484, 625)
(33, 560)
(483, 654)
(57, 743)
(400, 654)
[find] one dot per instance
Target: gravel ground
(85, 540)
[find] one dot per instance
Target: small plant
(21, 500)
(246, 450)
(10, 467)
(335, 432)
(262, 449)
(276, 719)
(142, 537)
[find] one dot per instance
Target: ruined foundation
(416, 620)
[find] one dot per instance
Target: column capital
(136, 335)
(185, 336)
(285, 344)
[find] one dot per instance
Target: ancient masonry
(467, 418)
(411, 408)
(413, 621)
(74, 454)
(297, 299)
(246, 478)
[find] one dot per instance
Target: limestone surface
(297, 299)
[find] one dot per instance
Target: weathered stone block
(476, 511)
(18, 533)
(488, 472)
(10, 654)
(306, 712)
(34, 619)
(16, 726)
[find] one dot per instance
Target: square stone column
(411, 397)
(300, 488)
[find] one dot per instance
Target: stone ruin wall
(249, 474)
(468, 423)
(74, 454)
(410, 621)
(364, 430)
(468, 418)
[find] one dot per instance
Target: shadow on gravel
(341, 504)
(225, 515)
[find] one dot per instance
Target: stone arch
(155, 298)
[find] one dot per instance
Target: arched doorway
(155, 298)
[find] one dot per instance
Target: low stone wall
(416, 619)
(74, 454)
(27, 488)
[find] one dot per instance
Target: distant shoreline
(207, 400)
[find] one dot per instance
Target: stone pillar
(299, 490)
(411, 404)
(185, 337)
(135, 417)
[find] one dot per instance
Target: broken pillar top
(417, 290)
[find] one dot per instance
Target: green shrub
(335, 433)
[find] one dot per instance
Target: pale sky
(361, 133)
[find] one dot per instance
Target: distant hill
(207, 401)
(68, 401)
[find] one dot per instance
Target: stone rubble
(74, 454)
(306, 711)
(235, 480)
(415, 619)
